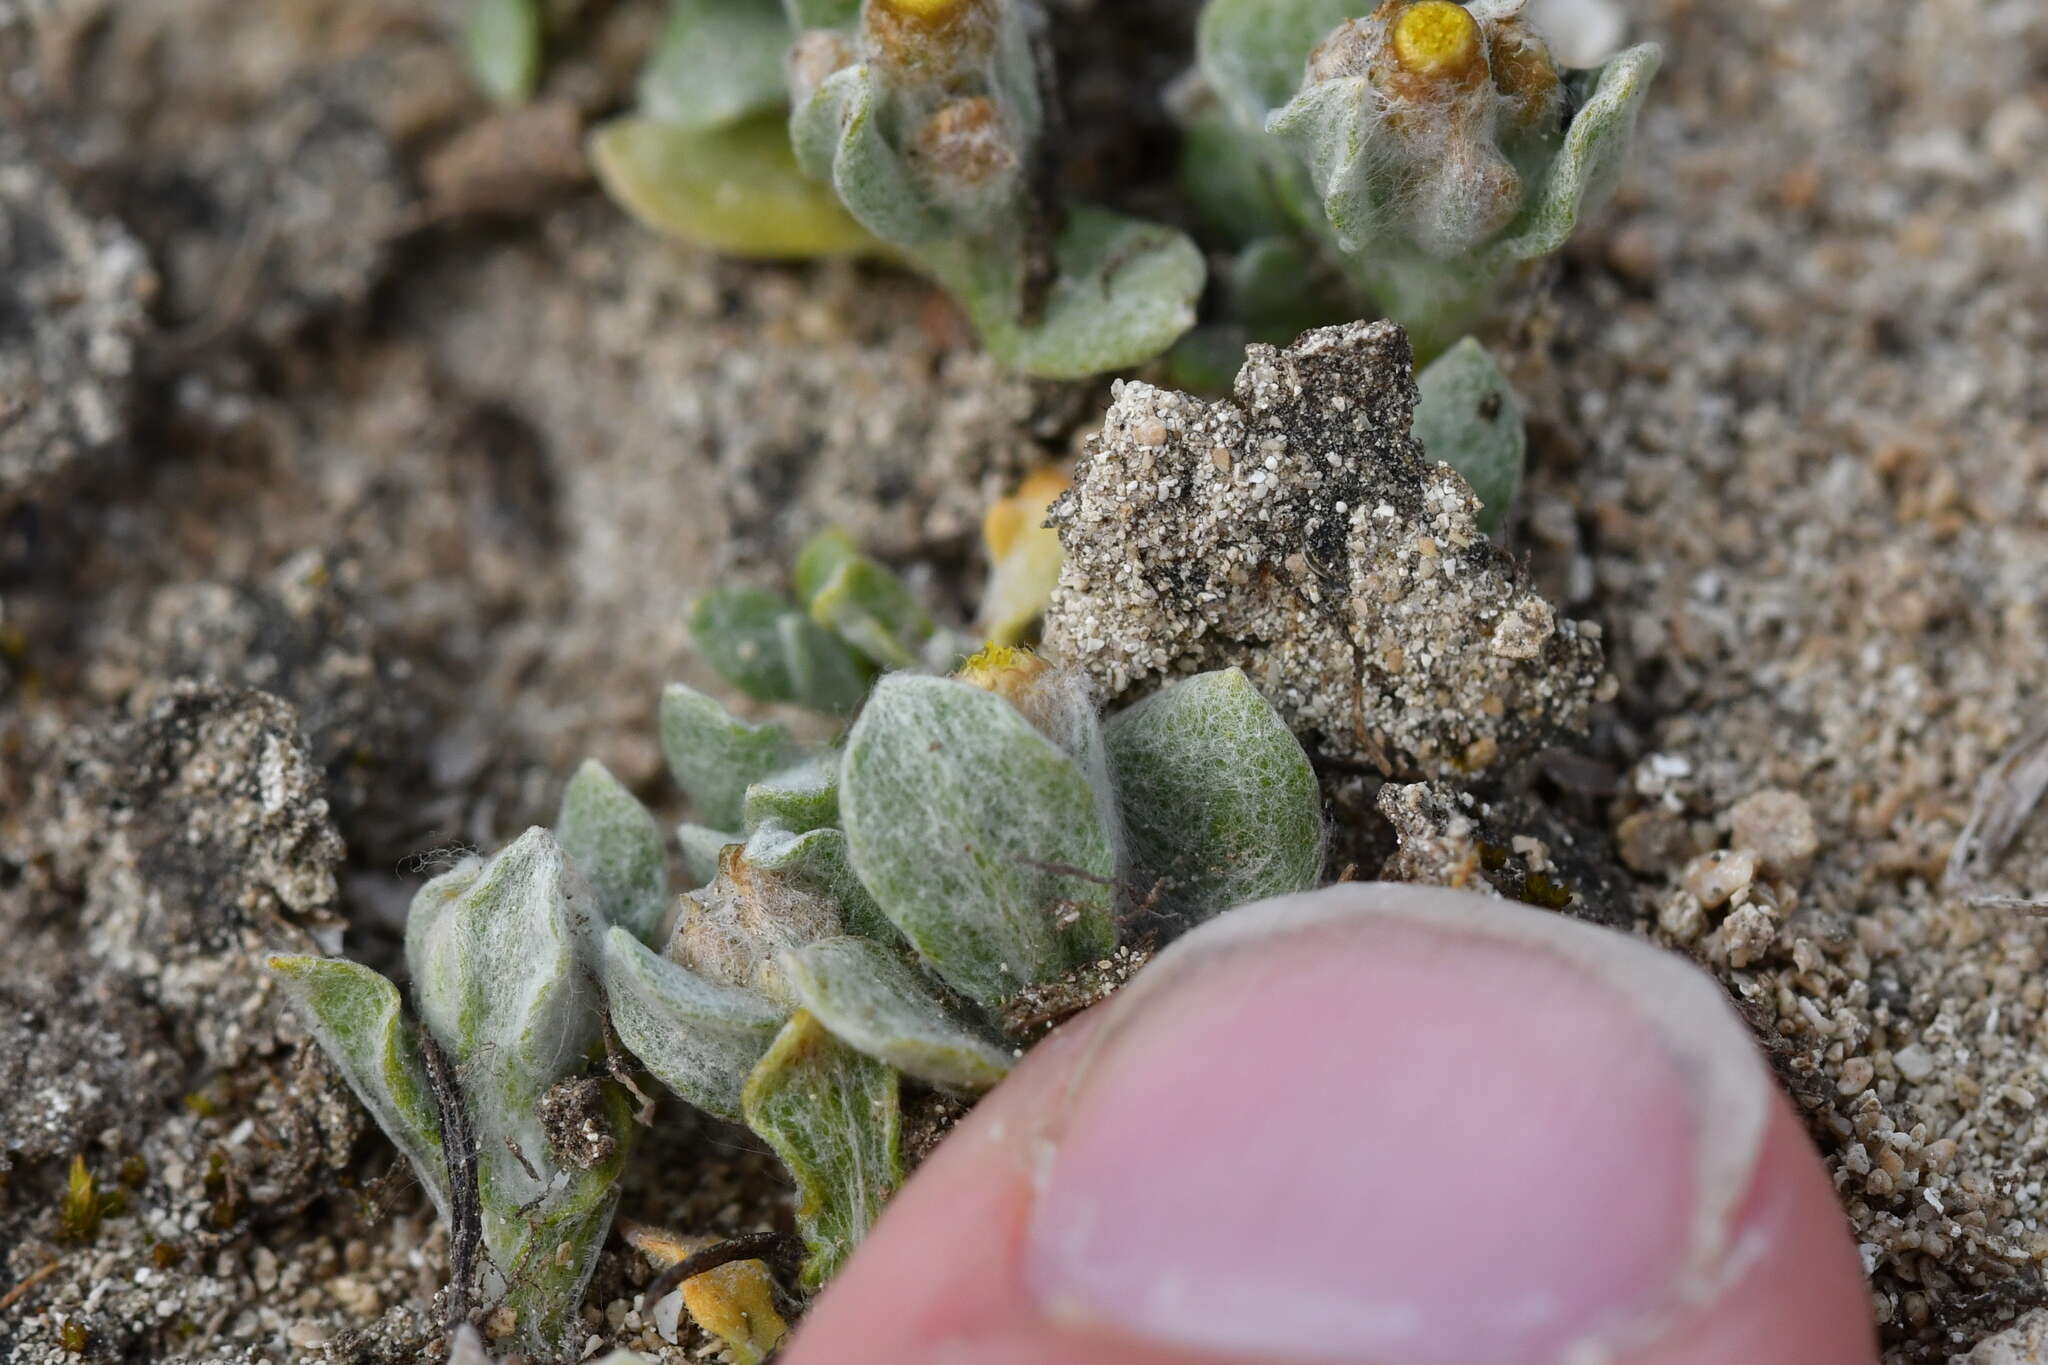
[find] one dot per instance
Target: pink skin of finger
(1373, 1125)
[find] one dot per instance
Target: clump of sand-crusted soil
(338, 519)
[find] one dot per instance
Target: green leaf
(873, 610)
(499, 984)
(1124, 291)
(1280, 289)
(716, 757)
(549, 1253)
(1218, 800)
(735, 189)
(359, 1021)
(1331, 127)
(838, 137)
(502, 40)
(824, 673)
(1590, 160)
(701, 846)
(503, 985)
(819, 560)
(717, 62)
(738, 630)
(835, 1119)
(979, 839)
(875, 1004)
(1468, 417)
(1253, 52)
(614, 841)
(432, 899)
(799, 798)
(700, 1038)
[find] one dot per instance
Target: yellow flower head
(1002, 669)
(1438, 40)
(930, 11)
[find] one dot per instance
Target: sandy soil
(352, 520)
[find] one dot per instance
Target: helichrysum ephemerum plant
(914, 906)
(852, 619)
(496, 1117)
(1430, 147)
(931, 122)
(705, 156)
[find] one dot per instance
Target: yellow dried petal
(1024, 557)
(1438, 39)
(736, 1304)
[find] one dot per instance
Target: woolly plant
(931, 121)
(914, 907)
(853, 618)
(705, 156)
(481, 1085)
(1431, 148)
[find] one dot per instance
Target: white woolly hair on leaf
(979, 837)
(1066, 708)
(1220, 801)
(499, 975)
(700, 1037)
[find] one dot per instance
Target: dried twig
(35, 1277)
(2006, 797)
(459, 1151)
(758, 1246)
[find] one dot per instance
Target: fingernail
(1390, 1123)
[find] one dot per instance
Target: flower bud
(929, 42)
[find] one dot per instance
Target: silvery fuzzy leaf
(499, 984)
(835, 1119)
(1330, 127)
(433, 898)
(824, 674)
(738, 630)
(1061, 704)
(1218, 799)
(717, 61)
(701, 846)
(1123, 291)
(819, 860)
(359, 1021)
(875, 1004)
(978, 838)
(800, 798)
(874, 610)
(819, 559)
(735, 189)
(1469, 418)
(716, 757)
(1590, 160)
(839, 138)
(700, 1038)
(1253, 52)
(614, 840)
(544, 1253)
(502, 39)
